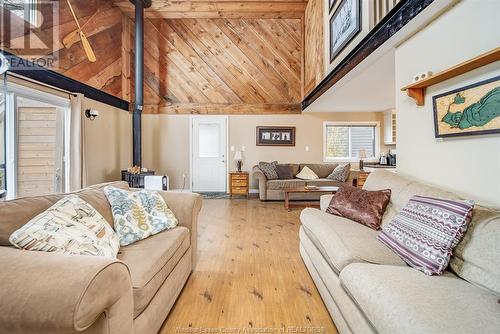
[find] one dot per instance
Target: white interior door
(208, 148)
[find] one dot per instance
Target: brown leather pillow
(362, 206)
(284, 172)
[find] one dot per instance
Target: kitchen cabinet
(390, 127)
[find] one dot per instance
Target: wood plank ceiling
(211, 66)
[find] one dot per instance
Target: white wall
(468, 165)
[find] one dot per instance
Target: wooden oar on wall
(74, 36)
(85, 42)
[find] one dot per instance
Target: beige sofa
(56, 293)
(272, 190)
(368, 289)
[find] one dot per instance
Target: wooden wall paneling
(126, 57)
(221, 65)
(103, 32)
(313, 45)
(219, 9)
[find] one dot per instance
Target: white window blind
(346, 141)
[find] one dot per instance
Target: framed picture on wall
(275, 136)
(345, 24)
(331, 3)
(469, 110)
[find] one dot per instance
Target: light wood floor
(249, 274)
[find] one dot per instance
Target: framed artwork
(470, 110)
(275, 136)
(345, 24)
(331, 3)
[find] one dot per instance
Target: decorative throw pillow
(284, 172)
(425, 232)
(340, 173)
(70, 226)
(307, 174)
(138, 214)
(269, 169)
(362, 206)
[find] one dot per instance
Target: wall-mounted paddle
(74, 36)
(85, 42)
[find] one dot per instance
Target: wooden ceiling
(256, 9)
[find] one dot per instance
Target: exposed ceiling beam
(219, 9)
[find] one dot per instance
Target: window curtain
(77, 170)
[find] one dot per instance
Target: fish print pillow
(70, 226)
(138, 214)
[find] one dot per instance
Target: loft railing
(380, 8)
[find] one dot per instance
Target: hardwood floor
(249, 275)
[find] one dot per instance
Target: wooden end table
(239, 183)
(325, 190)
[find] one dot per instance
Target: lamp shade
(238, 156)
(362, 154)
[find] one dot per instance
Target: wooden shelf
(417, 90)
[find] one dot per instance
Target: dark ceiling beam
(396, 19)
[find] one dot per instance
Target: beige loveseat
(57, 293)
(272, 190)
(368, 289)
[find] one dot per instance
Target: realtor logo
(29, 30)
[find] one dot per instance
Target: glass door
(36, 142)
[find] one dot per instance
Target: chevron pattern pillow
(425, 232)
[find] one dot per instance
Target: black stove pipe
(139, 81)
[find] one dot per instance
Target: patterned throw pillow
(425, 232)
(138, 214)
(307, 174)
(70, 226)
(340, 173)
(269, 169)
(359, 205)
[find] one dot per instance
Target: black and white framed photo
(275, 136)
(345, 24)
(331, 4)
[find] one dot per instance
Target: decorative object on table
(362, 155)
(425, 232)
(138, 214)
(319, 190)
(331, 3)
(307, 174)
(340, 173)
(85, 42)
(71, 226)
(275, 136)
(269, 169)
(158, 182)
(345, 24)
(311, 187)
(238, 159)
(239, 183)
(470, 110)
(362, 206)
(284, 171)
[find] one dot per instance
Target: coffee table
(325, 190)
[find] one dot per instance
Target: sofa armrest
(52, 292)
(186, 207)
(257, 174)
(324, 202)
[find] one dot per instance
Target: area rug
(212, 195)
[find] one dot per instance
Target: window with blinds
(347, 141)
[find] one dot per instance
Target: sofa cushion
(306, 173)
(269, 169)
(284, 172)
(476, 258)
(362, 206)
(18, 212)
(322, 170)
(139, 214)
(284, 184)
(342, 241)
(404, 300)
(150, 262)
(425, 232)
(71, 226)
(340, 173)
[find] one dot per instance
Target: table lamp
(362, 155)
(238, 159)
